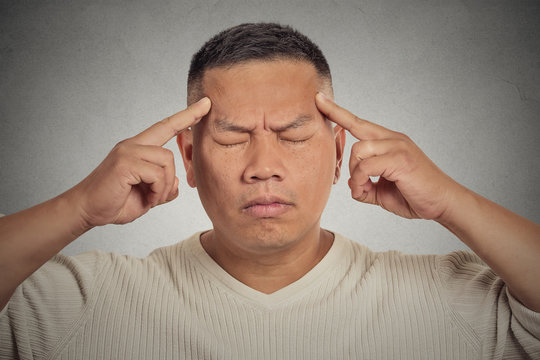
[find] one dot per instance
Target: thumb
(174, 191)
(366, 193)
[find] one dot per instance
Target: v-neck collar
(336, 255)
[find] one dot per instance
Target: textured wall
(462, 78)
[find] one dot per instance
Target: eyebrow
(296, 123)
(224, 125)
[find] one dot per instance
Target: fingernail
(205, 100)
(322, 96)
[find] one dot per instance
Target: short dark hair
(253, 41)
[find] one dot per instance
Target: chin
(270, 236)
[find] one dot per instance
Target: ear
(339, 137)
(185, 144)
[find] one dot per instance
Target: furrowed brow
(224, 125)
(298, 122)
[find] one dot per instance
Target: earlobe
(337, 174)
(185, 145)
(339, 134)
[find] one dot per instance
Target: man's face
(264, 158)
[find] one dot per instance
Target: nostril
(264, 164)
(263, 174)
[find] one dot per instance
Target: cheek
(322, 156)
(212, 163)
(315, 167)
(214, 173)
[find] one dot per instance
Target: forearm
(507, 242)
(31, 237)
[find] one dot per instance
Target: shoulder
(66, 276)
(463, 274)
(61, 296)
(172, 256)
(388, 261)
(459, 261)
(470, 288)
(394, 271)
(58, 297)
(445, 269)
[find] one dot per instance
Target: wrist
(68, 206)
(460, 201)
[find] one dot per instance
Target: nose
(265, 162)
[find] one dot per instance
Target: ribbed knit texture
(355, 304)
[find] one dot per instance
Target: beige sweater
(355, 304)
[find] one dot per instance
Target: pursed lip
(267, 200)
(267, 206)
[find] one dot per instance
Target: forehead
(268, 88)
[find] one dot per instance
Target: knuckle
(121, 146)
(363, 149)
(402, 136)
(356, 149)
(369, 147)
(168, 154)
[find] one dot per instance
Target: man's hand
(410, 184)
(137, 175)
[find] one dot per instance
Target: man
(262, 141)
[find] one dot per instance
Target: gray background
(462, 78)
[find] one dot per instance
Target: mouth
(267, 207)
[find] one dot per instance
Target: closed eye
(229, 140)
(295, 141)
(231, 145)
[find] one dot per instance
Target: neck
(272, 270)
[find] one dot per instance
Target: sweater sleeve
(49, 306)
(481, 305)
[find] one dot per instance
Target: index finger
(359, 128)
(161, 132)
